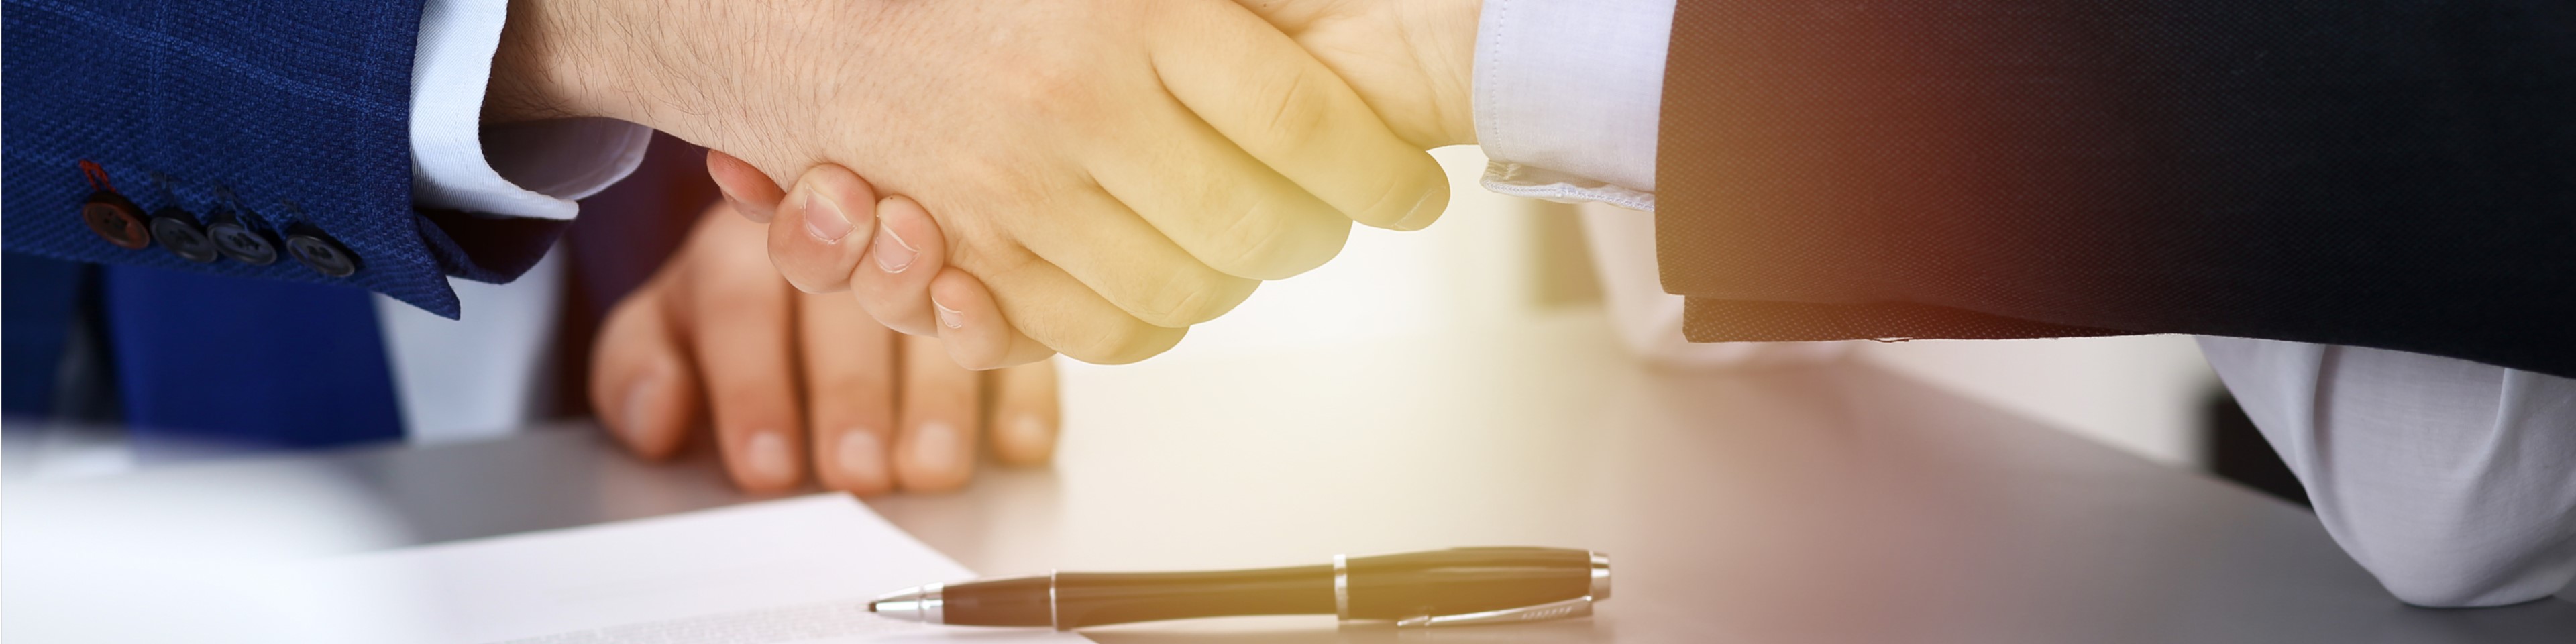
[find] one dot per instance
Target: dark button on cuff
(239, 241)
(180, 234)
(116, 220)
(320, 252)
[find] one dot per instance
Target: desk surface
(1820, 503)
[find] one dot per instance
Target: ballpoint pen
(1437, 588)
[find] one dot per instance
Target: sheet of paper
(792, 570)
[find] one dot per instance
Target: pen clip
(1576, 607)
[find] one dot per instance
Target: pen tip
(872, 607)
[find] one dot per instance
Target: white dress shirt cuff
(2447, 479)
(1567, 97)
(531, 169)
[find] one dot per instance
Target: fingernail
(823, 219)
(948, 317)
(934, 450)
(766, 454)
(1425, 210)
(892, 253)
(861, 456)
(636, 411)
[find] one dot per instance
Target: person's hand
(1411, 60)
(902, 279)
(1113, 170)
(790, 381)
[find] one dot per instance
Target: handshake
(1023, 177)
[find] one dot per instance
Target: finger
(849, 393)
(827, 223)
(937, 449)
(1061, 313)
(1114, 253)
(1025, 414)
(1255, 86)
(906, 251)
(742, 339)
(1221, 205)
(973, 329)
(641, 380)
(746, 188)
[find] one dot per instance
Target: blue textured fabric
(300, 107)
(237, 363)
(37, 300)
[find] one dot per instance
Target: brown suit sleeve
(2392, 174)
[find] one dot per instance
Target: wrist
(528, 82)
(575, 58)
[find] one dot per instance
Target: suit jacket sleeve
(288, 116)
(2399, 175)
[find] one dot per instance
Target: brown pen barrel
(1455, 582)
(1097, 598)
(1017, 601)
(1465, 580)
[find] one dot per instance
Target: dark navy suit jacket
(295, 116)
(2398, 174)
(300, 109)
(184, 359)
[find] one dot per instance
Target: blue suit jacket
(188, 358)
(295, 114)
(300, 108)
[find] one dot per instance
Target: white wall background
(1478, 265)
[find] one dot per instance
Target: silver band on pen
(1341, 586)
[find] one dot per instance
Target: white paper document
(792, 570)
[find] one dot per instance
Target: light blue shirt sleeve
(486, 374)
(1568, 95)
(519, 170)
(2452, 481)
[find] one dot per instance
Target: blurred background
(1496, 260)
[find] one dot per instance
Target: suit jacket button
(320, 252)
(238, 240)
(179, 233)
(116, 220)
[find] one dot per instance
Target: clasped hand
(1103, 173)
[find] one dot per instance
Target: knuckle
(1252, 244)
(1193, 295)
(1301, 107)
(1278, 239)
